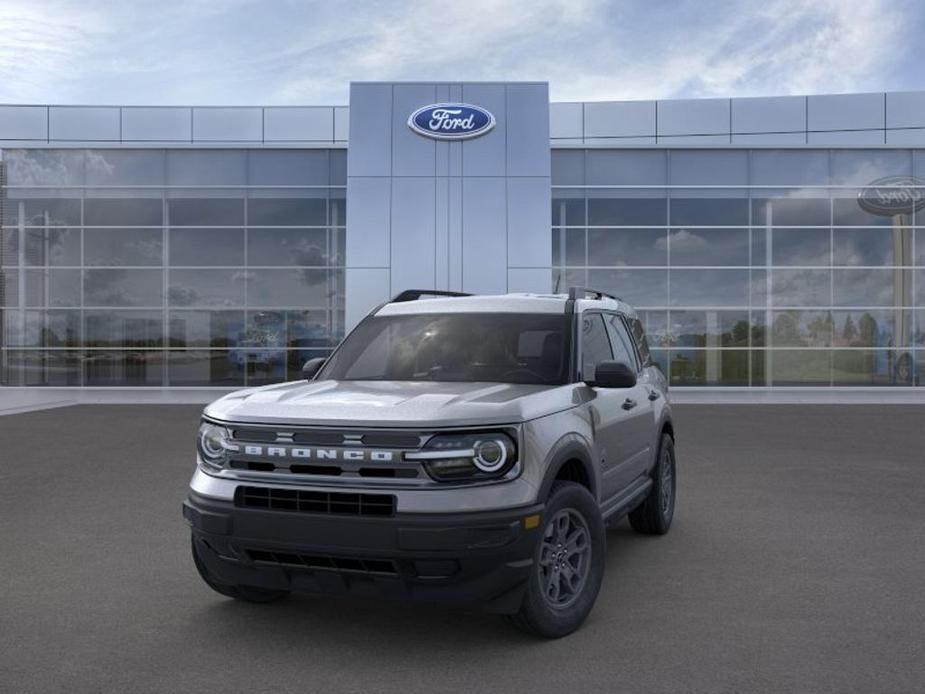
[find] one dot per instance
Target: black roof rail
(575, 293)
(415, 294)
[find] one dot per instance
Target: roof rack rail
(575, 293)
(415, 294)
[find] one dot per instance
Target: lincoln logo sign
(893, 195)
(451, 121)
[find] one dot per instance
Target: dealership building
(768, 243)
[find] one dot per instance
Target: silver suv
(456, 448)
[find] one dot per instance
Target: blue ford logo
(451, 121)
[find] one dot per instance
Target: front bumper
(479, 558)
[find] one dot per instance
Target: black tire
(555, 616)
(653, 516)
(245, 593)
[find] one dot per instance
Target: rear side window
(642, 345)
(595, 345)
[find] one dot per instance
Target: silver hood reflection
(392, 403)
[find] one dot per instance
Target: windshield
(504, 348)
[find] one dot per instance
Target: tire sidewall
(550, 621)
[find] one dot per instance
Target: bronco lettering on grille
(347, 454)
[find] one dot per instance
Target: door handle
(654, 395)
(629, 404)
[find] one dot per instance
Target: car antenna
(558, 279)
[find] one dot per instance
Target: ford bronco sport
(456, 448)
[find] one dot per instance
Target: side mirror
(613, 374)
(311, 367)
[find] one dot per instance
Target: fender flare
(569, 447)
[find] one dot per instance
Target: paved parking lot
(796, 564)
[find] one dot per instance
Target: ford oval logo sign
(451, 121)
(893, 195)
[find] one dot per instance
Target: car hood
(392, 403)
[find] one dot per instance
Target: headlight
(214, 441)
(467, 456)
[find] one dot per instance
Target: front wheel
(568, 565)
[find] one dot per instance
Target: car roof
(518, 302)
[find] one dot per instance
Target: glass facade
(751, 267)
(177, 267)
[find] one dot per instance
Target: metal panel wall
(446, 215)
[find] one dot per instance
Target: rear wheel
(568, 565)
(653, 516)
(238, 592)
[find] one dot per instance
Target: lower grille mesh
(303, 501)
(330, 563)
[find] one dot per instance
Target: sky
(277, 52)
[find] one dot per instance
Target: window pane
(207, 287)
(873, 328)
(709, 211)
(52, 246)
(797, 211)
(798, 367)
(311, 329)
(140, 212)
(623, 350)
(627, 247)
(862, 166)
(709, 367)
(801, 329)
(872, 247)
(708, 247)
(44, 167)
(261, 366)
(123, 287)
(709, 328)
(801, 287)
(874, 287)
(53, 287)
(709, 167)
(124, 328)
(640, 288)
(38, 368)
(273, 288)
(800, 247)
(203, 247)
(786, 167)
(847, 212)
(125, 167)
(9, 247)
(568, 211)
(287, 212)
(52, 329)
(204, 368)
(205, 328)
(213, 212)
(603, 211)
(709, 288)
(626, 167)
(288, 167)
(137, 368)
(41, 212)
(211, 167)
(123, 247)
(288, 247)
(595, 345)
(860, 367)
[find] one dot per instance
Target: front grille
(324, 562)
(304, 501)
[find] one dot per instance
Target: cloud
(246, 51)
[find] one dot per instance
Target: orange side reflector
(531, 522)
